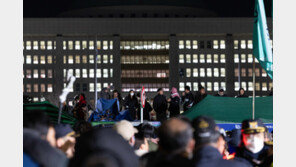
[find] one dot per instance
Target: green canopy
(232, 110)
(52, 111)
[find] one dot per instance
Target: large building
(135, 46)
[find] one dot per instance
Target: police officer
(208, 145)
(187, 99)
(252, 149)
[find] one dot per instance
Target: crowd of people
(177, 142)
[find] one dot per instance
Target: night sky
(223, 8)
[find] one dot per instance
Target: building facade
(135, 52)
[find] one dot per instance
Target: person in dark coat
(131, 103)
(241, 93)
(160, 105)
(208, 152)
(146, 111)
(174, 101)
(200, 95)
(187, 99)
(221, 93)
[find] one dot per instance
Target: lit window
(64, 45)
(195, 58)
(91, 87)
(216, 86)
(236, 86)
(215, 42)
(111, 59)
(77, 59)
(35, 45)
(209, 58)
(70, 45)
(209, 72)
(236, 72)
(222, 44)
(194, 44)
(195, 72)
(35, 87)
(49, 73)
(188, 84)
(70, 72)
(223, 85)
(35, 99)
(243, 58)
(195, 86)
(105, 73)
(243, 44)
(222, 72)
(84, 59)
(28, 59)
(65, 59)
(42, 59)
(236, 58)
(49, 59)
(202, 72)
(111, 72)
(42, 45)
(250, 72)
(91, 59)
(54, 45)
(264, 74)
(250, 86)
(256, 61)
(91, 45)
(181, 58)
(65, 74)
(105, 59)
(98, 59)
(188, 44)
(84, 45)
(49, 45)
(222, 58)
(235, 44)
(99, 74)
(77, 45)
(181, 86)
(70, 59)
(270, 85)
(257, 85)
(84, 73)
(243, 72)
(35, 73)
(77, 73)
(49, 88)
(216, 72)
(202, 58)
(250, 58)
(105, 45)
(28, 45)
(257, 72)
(250, 44)
(181, 44)
(28, 88)
(244, 85)
(264, 86)
(209, 86)
(91, 73)
(28, 74)
(188, 58)
(216, 58)
(99, 87)
(35, 59)
(111, 45)
(188, 72)
(42, 88)
(42, 73)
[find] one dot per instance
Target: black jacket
(174, 106)
(199, 97)
(41, 151)
(188, 101)
(160, 103)
(209, 156)
(146, 111)
(131, 103)
(244, 95)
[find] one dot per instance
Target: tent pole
(96, 66)
(253, 115)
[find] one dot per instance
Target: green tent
(51, 110)
(232, 110)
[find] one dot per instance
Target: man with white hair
(126, 130)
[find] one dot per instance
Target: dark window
(209, 44)
(77, 87)
(84, 87)
(201, 44)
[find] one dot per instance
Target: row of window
(145, 73)
(209, 86)
(144, 45)
(248, 86)
(149, 87)
(243, 58)
(37, 73)
(29, 88)
(205, 72)
(38, 59)
(145, 59)
(244, 72)
(194, 44)
(89, 73)
(84, 45)
(36, 45)
(77, 59)
(202, 58)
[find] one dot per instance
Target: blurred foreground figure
(253, 150)
(210, 145)
(65, 137)
(176, 145)
(39, 141)
(126, 130)
(103, 148)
